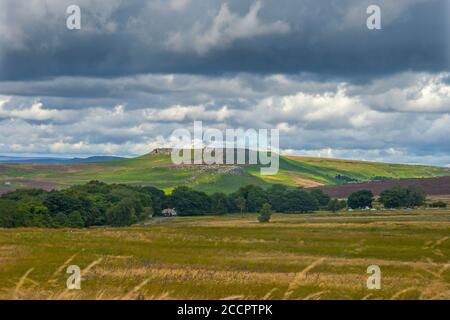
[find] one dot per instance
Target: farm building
(170, 212)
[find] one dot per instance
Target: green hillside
(158, 170)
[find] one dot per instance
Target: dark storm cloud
(140, 69)
(121, 38)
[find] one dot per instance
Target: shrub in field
(438, 204)
(360, 199)
(265, 213)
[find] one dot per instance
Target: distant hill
(4, 159)
(157, 169)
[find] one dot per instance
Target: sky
(138, 70)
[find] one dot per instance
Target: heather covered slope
(438, 186)
(159, 171)
(363, 171)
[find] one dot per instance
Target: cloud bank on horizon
(137, 70)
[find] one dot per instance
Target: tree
(277, 197)
(122, 214)
(402, 197)
(240, 203)
(336, 205)
(393, 198)
(219, 203)
(322, 198)
(89, 213)
(25, 194)
(265, 213)
(62, 202)
(35, 214)
(59, 220)
(300, 201)
(360, 199)
(415, 197)
(256, 198)
(75, 220)
(146, 213)
(159, 199)
(190, 202)
(9, 216)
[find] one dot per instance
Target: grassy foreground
(317, 256)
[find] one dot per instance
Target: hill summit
(161, 151)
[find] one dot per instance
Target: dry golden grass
(232, 257)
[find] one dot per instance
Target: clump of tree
(219, 203)
(250, 198)
(276, 195)
(97, 204)
(91, 204)
(323, 199)
(160, 200)
(296, 200)
(122, 213)
(190, 202)
(409, 197)
(240, 203)
(300, 201)
(360, 200)
(265, 213)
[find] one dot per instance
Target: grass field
(158, 171)
(315, 256)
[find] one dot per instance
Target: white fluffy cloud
(429, 94)
(34, 112)
(181, 113)
(315, 118)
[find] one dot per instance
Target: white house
(169, 212)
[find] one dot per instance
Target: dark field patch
(432, 186)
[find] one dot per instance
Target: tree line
(394, 198)
(97, 203)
